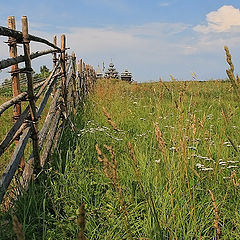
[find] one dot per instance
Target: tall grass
(147, 161)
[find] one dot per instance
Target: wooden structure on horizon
(111, 72)
(126, 76)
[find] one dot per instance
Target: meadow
(144, 161)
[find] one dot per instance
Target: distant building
(111, 72)
(126, 76)
(99, 73)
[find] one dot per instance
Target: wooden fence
(66, 87)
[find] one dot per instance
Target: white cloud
(164, 4)
(222, 20)
(145, 41)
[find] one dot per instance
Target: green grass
(161, 195)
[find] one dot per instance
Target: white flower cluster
(92, 128)
(201, 167)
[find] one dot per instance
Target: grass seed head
(18, 228)
(217, 218)
(81, 221)
(109, 119)
(161, 143)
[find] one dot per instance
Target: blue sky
(152, 38)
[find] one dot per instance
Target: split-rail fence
(66, 87)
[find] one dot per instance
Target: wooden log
(6, 141)
(57, 136)
(69, 77)
(19, 37)
(50, 138)
(69, 98)
(30, 91)
(14, 69)
(10, 61)
(18, 134)
(48, 119)
(46, 97)
(14, 162)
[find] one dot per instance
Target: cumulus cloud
(222, 20)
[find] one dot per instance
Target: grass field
(146, 161)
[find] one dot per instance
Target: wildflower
(233, 161)
(222, 163)
(158, 161)
(192, 148)
(229, 167)
(207, 169)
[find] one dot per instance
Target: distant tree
(44, 71)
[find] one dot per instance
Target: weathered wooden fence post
(15, 77)
(74, 93)
(54, 62)
(30, 92)
(84, 79)
(54, 54)
(80, 79)
(63, 70)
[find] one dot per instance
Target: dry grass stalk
(229, 58)
(225, 114)
(161, 143)
(230, 72)
(235, 184)
(201, 122)
(109, 119)
(109, 168)
(18, 228)
(81, 221)
(194, 128)
(217, 218)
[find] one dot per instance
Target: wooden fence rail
(66, 86)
